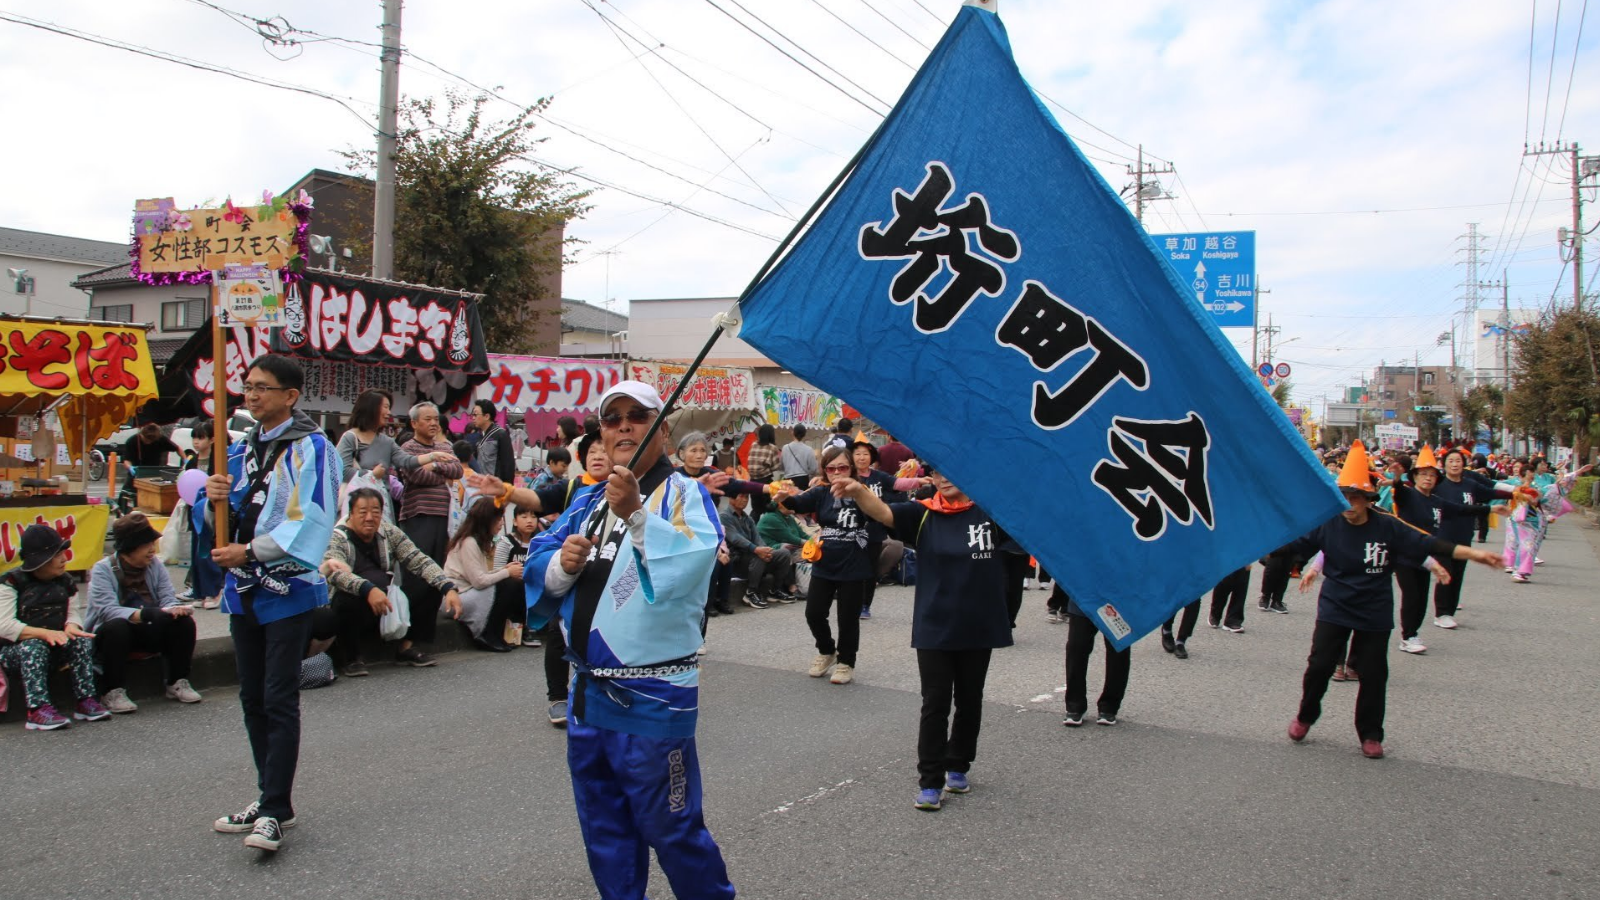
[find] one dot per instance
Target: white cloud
(1267, 106)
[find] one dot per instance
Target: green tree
(1555, 383)
(1281, 392)
(473, 214)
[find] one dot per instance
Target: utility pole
(1582, 168)
(1270, 332)
(1147, 190)
(1255, 325)
(388, 144)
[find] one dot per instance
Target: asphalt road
(448, 783)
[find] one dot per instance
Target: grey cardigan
(383, 451)
(105, 594)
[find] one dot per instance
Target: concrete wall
(53, 293)
(677, 329)
(146, 301)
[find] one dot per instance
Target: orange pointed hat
(1357, 472)
(1425, 459)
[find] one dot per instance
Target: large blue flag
(978, 290)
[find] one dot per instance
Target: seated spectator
(779, 529)
(40, 630)
(361, 559)
(484, 610)
(768, 571)
(511, 546)
(556, 464)
(134, 609)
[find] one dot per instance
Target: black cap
(40, 544)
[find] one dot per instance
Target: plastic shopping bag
(365, 480)
(174, 545)
(397, 621)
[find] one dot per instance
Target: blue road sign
(1220, 267)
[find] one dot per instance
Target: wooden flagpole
(219, 407)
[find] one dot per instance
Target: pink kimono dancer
(1523, 537)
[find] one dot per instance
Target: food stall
(542, 389)
(350, 333)
(721, 402)
(91, 376)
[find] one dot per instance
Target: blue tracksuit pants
(635, 793)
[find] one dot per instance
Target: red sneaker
(1372, 749)
(1298, 730)
(45, 718)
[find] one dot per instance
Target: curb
(213, 667)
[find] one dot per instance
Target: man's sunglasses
(638, 416)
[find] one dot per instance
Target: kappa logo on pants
(678, 782)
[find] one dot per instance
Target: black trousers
(819, 599)
(510, 605)
(171, 636)
(356, 622)
(944, 745)
(1483, 527)
(1016, 568)
(556, 675)
(1080, 644)
(1369, 653)
(1227, 598)
(1447, 597)
(1413, 599)
(1191, 615)
(431, 534)
(268, 659)
(870, 587)
(1275, 578)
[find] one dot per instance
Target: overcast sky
(1291, 118)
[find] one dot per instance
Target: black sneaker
(266, 835)
(245, 820)
(1180, 651)
(1278, 607)
(1167, 643)
(530, 638)
(1107, 719)
(753, 601)
(411, 656)
(1235, 629)
(1264, 604)
(355, 668)
(1214, 622)
(1073, 720)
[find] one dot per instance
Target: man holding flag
(627, 567)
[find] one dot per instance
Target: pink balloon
(191, 485)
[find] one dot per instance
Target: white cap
(638, 390)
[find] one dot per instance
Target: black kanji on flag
(1167, 476)
(934, 237)
(1047, 330)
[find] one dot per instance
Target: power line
(662, 45)
(692, 120)
(1550, 77)
(574, 173)
(573, 130)
(868, 4)
(891, 53)
(1583, 13)
(797, 62)
(182, 61)
(929, 12)
(1527, 109)
(797, 46)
